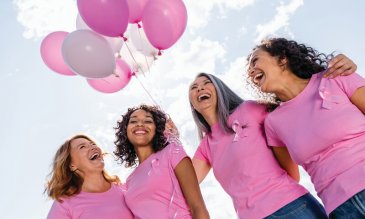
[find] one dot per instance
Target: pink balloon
(114, 82)
(164, 22)
(115, 42)
(107, 17)
(88, 54)
(51, 52)
(135, 10)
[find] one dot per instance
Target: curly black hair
(303, 61)
(125, 150)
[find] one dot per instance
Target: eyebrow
(83, 143)
(136, 116)
(202, 81)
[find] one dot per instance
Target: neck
(95, 183)
(210, 116)
(291, 87)
(143, 152)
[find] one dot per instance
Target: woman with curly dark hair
(80, 185)
(320, 121)
(164, 183)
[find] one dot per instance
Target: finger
(340, 71)
(335, 59)
(339, 67)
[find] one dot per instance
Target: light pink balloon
(51, 53)
(164, 22)
(135, 10)
(114, 82)
(88, 54)
(107, 17)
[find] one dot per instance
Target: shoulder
(60, 209)
(252, 109)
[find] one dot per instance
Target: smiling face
(86, 156)
(141, 128)
(203, 95)
(265, 70)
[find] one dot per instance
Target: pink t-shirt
(153, 190)
(109, 204)
(246, 167)
(325, 133)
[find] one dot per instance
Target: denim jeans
(351, 209)
(304, 207)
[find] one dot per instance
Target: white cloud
(280, 20)
(200, 12)
(40, 17)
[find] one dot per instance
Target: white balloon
(140, 41)
(115, 42)
(88, 54)
(138, 62)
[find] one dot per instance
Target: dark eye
(193, 87)
(148, 121)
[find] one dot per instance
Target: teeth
(140, 132)
(258, 77)
(94, 156)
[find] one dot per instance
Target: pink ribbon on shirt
(239, 130)
(328, 98)
(154, 166)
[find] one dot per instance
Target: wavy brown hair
(125, 150)
(63, 182)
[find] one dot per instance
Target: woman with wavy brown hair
(80, 186)
(163, 185)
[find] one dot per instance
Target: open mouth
(258, 78)
(95, 156)
(203, 97)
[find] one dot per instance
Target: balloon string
(130, 52)
(145, 57)
(144, 88)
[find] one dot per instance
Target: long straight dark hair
(227, 102)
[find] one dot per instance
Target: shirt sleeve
(350, 83)
(271, 136)
(177, 153)
(59, 211)
(202, 152)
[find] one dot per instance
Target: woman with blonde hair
(80, 186)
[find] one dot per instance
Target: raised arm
(283, 157)
(186, 176)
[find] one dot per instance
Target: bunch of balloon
(107, 53)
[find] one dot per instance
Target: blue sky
(40, 109)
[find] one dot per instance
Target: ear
(73, 168)
(283, 63)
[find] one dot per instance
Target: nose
(251, 71)
(200, 87)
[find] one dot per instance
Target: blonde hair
(64, 182)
